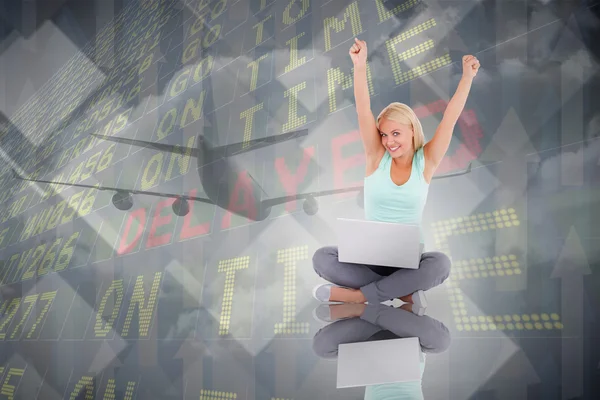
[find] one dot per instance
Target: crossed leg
(377, 283)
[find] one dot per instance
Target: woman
(353, 323)
(399, 168)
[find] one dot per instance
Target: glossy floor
(148, 301)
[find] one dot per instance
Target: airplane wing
(281, 200)
(220, 151)
(158, 146)
(451, 174)
(243, 147)
(284, 199)
(132, 191)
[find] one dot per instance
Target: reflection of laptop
(378, 243)
(378, 362)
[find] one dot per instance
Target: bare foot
(407, 307)
(407, 298)
(341, 311)
(346, 295)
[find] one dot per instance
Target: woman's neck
(404, 161)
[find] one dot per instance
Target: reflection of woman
(366, 322)
(399, 168)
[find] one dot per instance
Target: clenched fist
(358, 52)
(470, 66)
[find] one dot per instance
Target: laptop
(379, 362)
(385, 244)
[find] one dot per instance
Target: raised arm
(436, 148)
(366, 121)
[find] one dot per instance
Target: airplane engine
(263, 213)
(181, 207)
(310, 206)
(122, 200)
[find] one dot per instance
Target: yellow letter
(49, 258)
(190, 51)
(294, 61)
(335, 23)
(286, 13)
(17, 206)
(35, 259)
(74, 205)
(335, 75)
(66, 253)
(6, 271)
(203, 70)
(148, 182)
(254, 65)
(208, 40)
(195, 108)
(180, 83)
(8, 390)
(395, 58)
(58, 210)
(169, 120)
(29, 227)
(43, 221)
(199, 22)
(385, 14)
(101, 328)
(86, 382)
(30, 300)
(146, 63)
(48, 297)
(294, 120)
(183, 160)
(3, 236)
(229, 267)
(260, 29)
(9, 309)
(109, 392)
(289, 258)
(145, 313)
(249, 115)
(18, 272)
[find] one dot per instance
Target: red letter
(140, 215)
(290, 182)
(157, 221)
(249, 204)
(188, 231)
(342, 164)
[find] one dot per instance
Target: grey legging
(381, 322)
(382, 283)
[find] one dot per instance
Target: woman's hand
(358, 52)
(470, 66)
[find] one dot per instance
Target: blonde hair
(403, 114)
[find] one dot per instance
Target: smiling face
(397, 138)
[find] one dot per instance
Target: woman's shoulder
(420, 157)
(375, 163)
(421, 152)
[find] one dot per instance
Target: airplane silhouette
(219, 176)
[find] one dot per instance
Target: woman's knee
(322, 259)
(323, 346)
(440, 341)
(439, 264)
